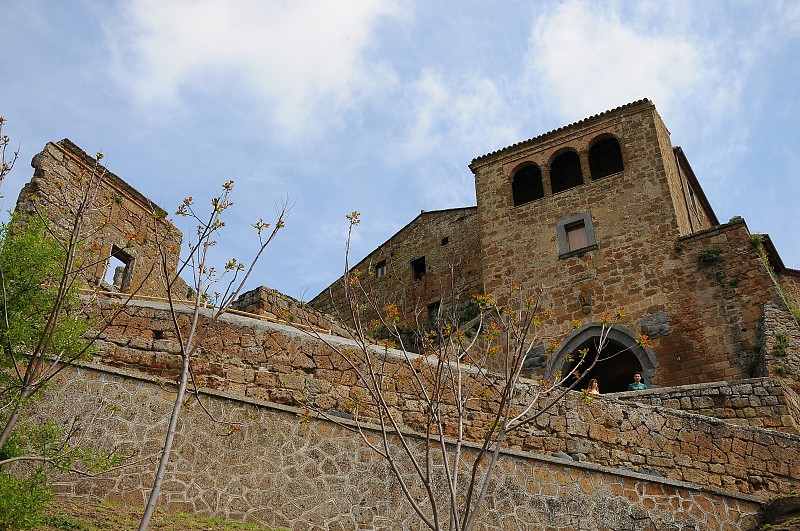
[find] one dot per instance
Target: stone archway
(614, 370)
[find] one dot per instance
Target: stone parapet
(275, 305)
(760, 402)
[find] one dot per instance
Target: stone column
(548, 189)
(585, 168)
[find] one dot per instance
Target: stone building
(601, 214)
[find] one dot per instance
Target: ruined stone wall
(780, 348)
(276, 306)
(790, 281)
(273, 362)
(760, 402)
(279, 470)
(448, 241)
(707, 312)
(118, 219)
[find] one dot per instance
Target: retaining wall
(268, 361)
(280, 470)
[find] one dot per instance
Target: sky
(380, 105)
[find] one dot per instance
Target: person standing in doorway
(638, 384)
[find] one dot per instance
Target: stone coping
(162, 382)
(691, 387)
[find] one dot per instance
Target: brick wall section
(281, 471)
(276, 363)
(760, 402)
(274, 305)
(424, 236)
(116, 213)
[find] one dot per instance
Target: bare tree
(448, 369)
(43, 321)
(204, 280)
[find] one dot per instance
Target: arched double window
(565, 172)
(605, 158)
(526, 185)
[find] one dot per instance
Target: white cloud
(455, 113)
(586, 59)
(299, 60)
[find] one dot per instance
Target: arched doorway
(617, 362)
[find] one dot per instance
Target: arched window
(617, 362)
(527, 185)
(565, 172)
(605, 158)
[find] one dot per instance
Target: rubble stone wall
(276, 363)
(780, 348)
(279, 470)
(790, 280)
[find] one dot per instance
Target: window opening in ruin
(614, 369)
(575, 235)
(118, 271)
(565, 172)
(380, 269)
(445, 240)
(418, 268)
(527, 185)
(433, 309)
(605, 158)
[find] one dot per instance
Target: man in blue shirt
(638, 384)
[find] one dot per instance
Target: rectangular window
(418, 268)
(433, 310)
(380, 269)
(575, 235)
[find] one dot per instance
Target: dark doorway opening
(614, 368)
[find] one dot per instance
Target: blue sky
(379, 106)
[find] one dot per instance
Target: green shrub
(22, 501)
(780, 348)
(708, 255)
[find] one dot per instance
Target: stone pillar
(548, 188)
(585, 168)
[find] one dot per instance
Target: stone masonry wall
(279, 470)
(448, 241)
(118, 216)
(277, 363)
(761, 402)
